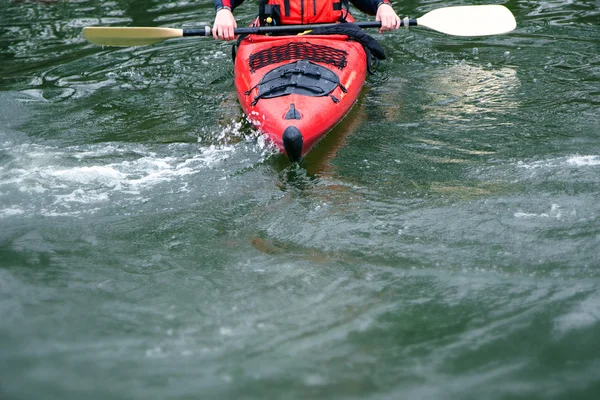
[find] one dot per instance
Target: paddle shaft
(207, 31)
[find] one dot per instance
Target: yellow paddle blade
(128, 36)
(480, 20)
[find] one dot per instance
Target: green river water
(443, 242)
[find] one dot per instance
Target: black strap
(354, 32)
(286, 7)
(372, 47)
(302, 77)
(346, 5)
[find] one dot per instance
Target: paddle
(480, 20)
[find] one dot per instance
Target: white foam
(82, 196)
(51, 181)
(555, 212)
(7, 212)
(96, 174)
(582, 161)
(529, 215)
(576, 161)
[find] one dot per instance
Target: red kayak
(295, 89)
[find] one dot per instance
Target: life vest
(289, 12)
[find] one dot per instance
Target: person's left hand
(388, 17)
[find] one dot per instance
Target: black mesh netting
(298, 51)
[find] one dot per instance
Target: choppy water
(441, 243)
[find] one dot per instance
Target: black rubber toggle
(292, 143)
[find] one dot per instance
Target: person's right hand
(224, 25)
(388, 17)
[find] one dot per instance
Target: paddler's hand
(224, 25)
(388, 17)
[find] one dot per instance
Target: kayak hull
(309, 112)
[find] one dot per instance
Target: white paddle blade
(470, 20)
(128, 36)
